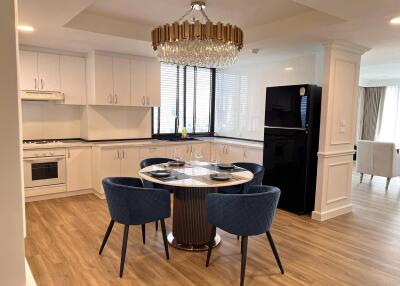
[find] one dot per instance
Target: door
(234, 153)
(138, 82)
(130, 162)
(153, 83)
(204, 149)
(122, 81)
(28, 73)
(287, 106)
(218, 153)
(73, 79)
(79, 168)
(285, 165)
(104, 91)
(253, 155)
(110, 163)
(49, 72)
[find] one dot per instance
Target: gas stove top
(29, 142)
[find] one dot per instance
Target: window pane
(203, 99)
(189, 98)
(168, 98)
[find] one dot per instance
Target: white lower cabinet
(79, 168)
(253, 155)
(154, 152)
(226, 153)
(185, 150)
(114, 162)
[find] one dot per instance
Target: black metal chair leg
(109, 229)
(241, 246)
(123, 251)
(164, 235)
(144, 233)
(156, 225)
(244, 260)
(275, 251)
(210, 244)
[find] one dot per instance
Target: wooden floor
(361, 248)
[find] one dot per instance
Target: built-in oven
(44, 167)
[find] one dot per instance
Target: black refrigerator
(291, 137)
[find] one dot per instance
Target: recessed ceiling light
(24, 28)
(288, 69)
(395, 21)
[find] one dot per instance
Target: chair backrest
(131, 204)
(376, 158)
(243, 214)
(153, 161)
(256, 169)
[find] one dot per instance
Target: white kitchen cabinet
(153, 83)
(204, 149)
(180, 150)
(73, 79)
(130, 163)
(114, 162)
(234, 153)
(121, 81)
(48, 72)
(28, 73)
(153, 152)
(253, 155)
(138, 82)
(79, 168)
(102, 88)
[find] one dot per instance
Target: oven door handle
(46, 159)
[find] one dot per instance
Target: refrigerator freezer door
(285, 156)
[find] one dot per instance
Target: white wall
(48, 120)
(12, 257)
(244, 116)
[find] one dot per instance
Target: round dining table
(190, 185)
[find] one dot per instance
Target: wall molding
(325, 215)
(336, 154)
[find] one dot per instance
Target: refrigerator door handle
(287, 128)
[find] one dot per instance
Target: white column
(338, 126)
(12, 257)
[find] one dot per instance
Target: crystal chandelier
(197, 42)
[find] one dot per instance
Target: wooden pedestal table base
(189, 228)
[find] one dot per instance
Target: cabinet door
(253, 155)
(79, 168)
(28, 77)
(205, 151)
(234, 153)
(73, 79)
(122, 81)
(104, 92)
(218, 152)
(153, 83)
(181, 150)
(130, 162)
(49, 72)
(110, 163)
(153, 152)
(138, 83)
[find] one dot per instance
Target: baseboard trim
(99, 195)
(322, 216)
(58, 195)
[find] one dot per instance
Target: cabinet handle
(116, 99)
(118, 155)
(69, 154)
(42, 83)
(35, 83)
(123, 154)
(143, 100)
(244, 153)
(148, 100)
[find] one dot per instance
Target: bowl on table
(226, 166)
(220, 176)
(176, 163)
(161, 173)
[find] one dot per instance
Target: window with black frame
(186, 100)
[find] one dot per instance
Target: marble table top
(195, 176)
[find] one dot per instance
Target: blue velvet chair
(131, 204)
(244, 215)
(258, 172)
(153, 161)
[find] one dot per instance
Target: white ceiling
(279, 28)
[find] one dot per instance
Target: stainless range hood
(35, 95)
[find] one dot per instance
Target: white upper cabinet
(138, 82)
(103, 90)
(49, 72)
(122, 81)
(28, 73)
(153, 83)
(73, 79)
